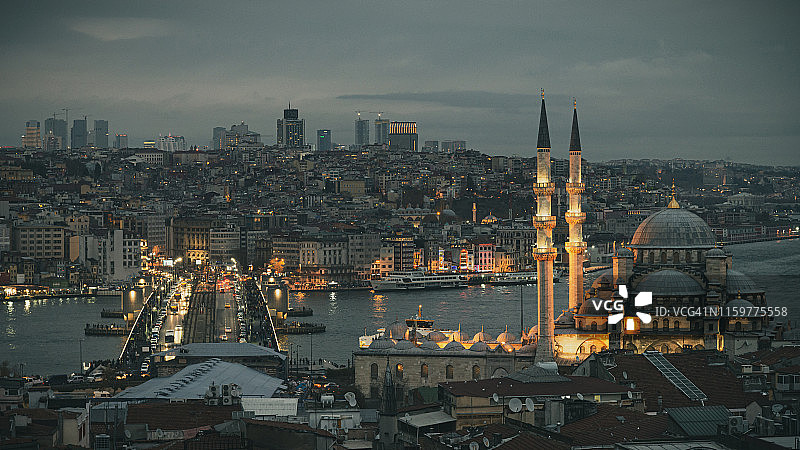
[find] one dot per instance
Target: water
(44, 334)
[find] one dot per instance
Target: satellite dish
(495, 397)
(624, 374)
(351, 398)
(486, 442)
(529, 404)
(776, 408)
(630, 394)
(127, 433)
(579, 395)
(474, 445)
(515, 405)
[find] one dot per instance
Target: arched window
(676, 257)
(689, 257)
(663, 257)
(594, 326)
(664, 348)
(738, 326)
(423, 370)
(476, 372)
(373, 371)
(448, 372)
(652, 258)
(398, 371)
(580, 349)
(676, 325)
(593, 349)
(666, 325)
(655, 324)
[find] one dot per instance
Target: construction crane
(358, 111)
(377, 112)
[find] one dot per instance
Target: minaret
(545, 253)
(575, 218)
(387, 424)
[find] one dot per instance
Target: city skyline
(652, 80)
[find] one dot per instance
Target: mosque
(696, 301)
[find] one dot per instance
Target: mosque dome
(403, 345)
(738, 282)
(624, 252)
(715, 253)
(673, 227)
(489, 219)
(460, 336)
(506, 337)
(479, 346)
(529, 348)
(381, 344)
(670, 282)
(448, 212)
(397, 330)
(454, 345)
(482, 336)
(429, 345)
(437, 336)
(603, 279)
(740, 307)
(587, 308)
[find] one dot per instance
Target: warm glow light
(630, 324)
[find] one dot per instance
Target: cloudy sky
(701, 80)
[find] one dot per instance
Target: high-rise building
(218, 138)
(453, 146)
(431, 147)
(170, 143)
(78, 137)
(324, 143)
(33, 135)
(403, 136)
(57, 128)
(291, 129)
(121, 141)
(52, 142)
(362, 131)
(381, 131)
(101, 133)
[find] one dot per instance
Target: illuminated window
(448, 372)
(399, 371)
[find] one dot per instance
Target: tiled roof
(178, 416)
(718, 383)
(773, 356)
(605, 427)
(699, 421)
(299, 427)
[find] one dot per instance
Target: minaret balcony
(546, 222)
(545, 254)
(575, 188)
(573, 217)
(541, 189)
(575, 247)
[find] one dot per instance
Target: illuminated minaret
(545, 252)
(575, 218)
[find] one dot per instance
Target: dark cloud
(653, 79)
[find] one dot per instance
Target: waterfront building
(324, 143)
(101, 133)
(120, 255)
(32, 137)
(291, 129)
(39, 241)
(403, 136)
(362, 131)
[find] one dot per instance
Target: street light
(80, 347)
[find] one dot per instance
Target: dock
(300, 328)
(304, 312)
(105, 330)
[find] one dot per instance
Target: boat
(300, 328)
(513, 278)
(399, 281)
(422, 325)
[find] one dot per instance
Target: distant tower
(79, 137)
(324, 143)
(381, 130)
(362, 131)
(545, 252)
(575, 218)
(101, 133)
(291, 129)
(33, 135)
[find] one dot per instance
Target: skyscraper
(101, 133)
(381, 131)
(33, 135)
(57, 128)
(239, 134)
(218, 138)
(78, 136)
(170, 143)
(362, 131)
(324, 143)
(403, 136)
(291, 129)
(453, 146)
(121, 141)
(545, 253)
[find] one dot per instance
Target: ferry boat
(513, 278)
(396, 281)
(422, 325)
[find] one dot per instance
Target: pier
(104, 330)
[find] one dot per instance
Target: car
(228, 330)
(227, 305)
(223, 337)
